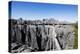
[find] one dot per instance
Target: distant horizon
(46, 19)
(39, 11)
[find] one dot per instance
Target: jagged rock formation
(39, 37)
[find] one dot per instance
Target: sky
(39, 11)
